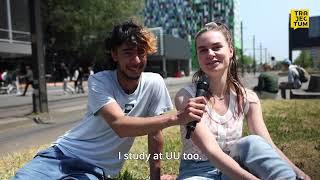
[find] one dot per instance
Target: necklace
(219, 98)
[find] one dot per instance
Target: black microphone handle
(192, 125)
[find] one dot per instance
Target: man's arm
(155, 146)
(128, 126)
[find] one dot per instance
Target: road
(65, 113)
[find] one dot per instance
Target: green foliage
(80, 25)
(247, 60)
(195, 64)
(304, 59)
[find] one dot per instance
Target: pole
(260, 53)
(265, 55)
(242, 60)
(290, 40)
(254, 56)
(39, 96)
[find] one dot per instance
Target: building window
(3, 20)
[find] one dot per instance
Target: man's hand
(168, 177)
(193, 110)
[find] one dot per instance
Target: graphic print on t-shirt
(128, 108)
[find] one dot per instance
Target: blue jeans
(252, 152)
(53, 164)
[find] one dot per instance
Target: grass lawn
(293, 124)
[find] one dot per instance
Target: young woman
(217, 140)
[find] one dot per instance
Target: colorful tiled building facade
(181, 18)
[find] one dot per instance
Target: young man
(122, 103)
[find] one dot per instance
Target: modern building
(14, 30)
(306, 39)
(181, 18)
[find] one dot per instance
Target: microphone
(202, 88)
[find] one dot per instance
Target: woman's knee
(251, 143)
(251, 140)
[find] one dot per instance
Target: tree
(304, 59)
(247, 60)
(79, 27)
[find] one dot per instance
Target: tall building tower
(174, 16)
(185, 17)
(237, 24)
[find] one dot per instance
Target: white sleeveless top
(227, 128)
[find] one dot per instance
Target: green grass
(293, 124)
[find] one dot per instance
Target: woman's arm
(207, 143)
(221, 160)
(258, 127)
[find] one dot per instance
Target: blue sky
(268, 21)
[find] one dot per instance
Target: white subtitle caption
(158, 156)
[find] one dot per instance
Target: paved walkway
(55, 93)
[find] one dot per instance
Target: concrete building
(14, 29)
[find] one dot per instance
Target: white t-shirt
(93, 140)
(293, 76)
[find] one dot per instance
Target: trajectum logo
(299, 18)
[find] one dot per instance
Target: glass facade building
(14, 28)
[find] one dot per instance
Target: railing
(17, 36)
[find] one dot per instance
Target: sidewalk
(55, 94)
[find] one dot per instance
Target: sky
(268, 21)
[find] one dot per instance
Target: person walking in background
(293, 78)
(54, 74)
(217, 138)
(267, 83)
(91, 72)
(28, 79)
(75, 77)
(16, 79)
(65, 74)
(78, 79)
(123, 102)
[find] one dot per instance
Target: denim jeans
(53, 164)
(252, 153)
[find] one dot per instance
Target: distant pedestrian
(78, 79)
(65, 74)
(16, 79)
(267, 83)
(54, 75)
(91, 72)
(293, 78)
(28, 79)
(75, 77)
